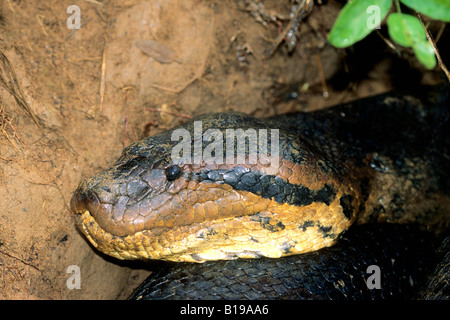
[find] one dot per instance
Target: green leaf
(425, 54)
(356, 20)
(405, 29)
(435, 9)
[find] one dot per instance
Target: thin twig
(28, 264)
(5, 159)
(75, 30)
(18, 259)
(169, 112)
(127, 91)
(39, 17)
(323, 80)
(103, 73)
(440, 32)
(198, 74)
(10, 6)
(9, 79)
(94, 2)
(433, 44)
(389, 43)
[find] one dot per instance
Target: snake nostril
(83, 200)
(75, 205)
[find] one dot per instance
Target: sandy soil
(99, 88)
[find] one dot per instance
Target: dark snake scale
(358, 190)
(339, 272)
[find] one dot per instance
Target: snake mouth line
(86, 216)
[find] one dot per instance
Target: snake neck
(393, 150)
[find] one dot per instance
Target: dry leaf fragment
(157, 51)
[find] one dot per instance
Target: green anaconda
(225, 186)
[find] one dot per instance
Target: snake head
(152, 205)
(127, 197)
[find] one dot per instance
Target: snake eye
(173, 172)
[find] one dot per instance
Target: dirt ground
(98, 88)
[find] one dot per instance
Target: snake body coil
(402, 254)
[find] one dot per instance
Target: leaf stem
(433, 44)
(397, 6)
